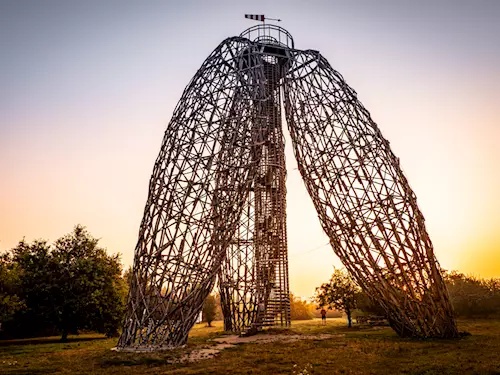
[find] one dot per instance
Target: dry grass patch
(360, 350)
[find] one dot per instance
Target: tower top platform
(269, 34)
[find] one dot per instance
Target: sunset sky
(87, 89)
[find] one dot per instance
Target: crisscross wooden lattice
(216, 207)
(363, 199)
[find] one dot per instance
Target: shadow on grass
(146, 361)
(386, 334)
(30, 372)
(140, 359)
(48, 340)
(276, 331)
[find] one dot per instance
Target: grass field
(359, 350)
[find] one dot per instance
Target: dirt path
(225, 342)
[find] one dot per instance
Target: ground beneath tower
(272, 336)
(307, 345)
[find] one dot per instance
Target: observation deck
(275, 40)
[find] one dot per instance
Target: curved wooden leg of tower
(197, 191)
(363, 200)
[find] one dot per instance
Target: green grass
(362, 350)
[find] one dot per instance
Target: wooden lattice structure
(216, 204)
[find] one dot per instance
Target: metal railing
(269, 34)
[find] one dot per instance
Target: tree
(127, 276)
(366, 305)
(339, 293)
(209, 309)
(300, 309)
(73, 285)
(10, 301)
(36, 271)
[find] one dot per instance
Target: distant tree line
(301, 309)
(470, 296)
(61, 288)
(473, 297)
(74, 285)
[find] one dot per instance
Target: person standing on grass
(323, 316)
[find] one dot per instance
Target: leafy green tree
(366, 305)
(74, 285)
(37, 272)
(10, 301)
(127, 276)
(209, 309)
(339, 293)
(218, 314)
